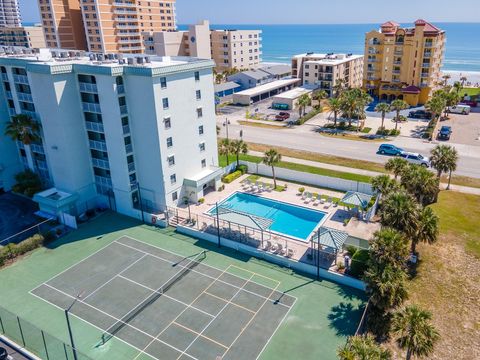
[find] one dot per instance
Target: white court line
(203, 274)
(211, 321)
(211, 267)
(89, 323)
(161, 332)
(114, 318)
(113, 278)
(164, 295)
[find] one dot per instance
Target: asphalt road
(305, 138)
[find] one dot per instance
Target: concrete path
(462, 189)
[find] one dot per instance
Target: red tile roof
(390, 23)
(428, 27)
(411, 90)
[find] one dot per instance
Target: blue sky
(318, 11)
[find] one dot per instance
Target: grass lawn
(470, 91)
(448, 280)
(323, 316)
(303, 168)
(262, 125)
(360, 137)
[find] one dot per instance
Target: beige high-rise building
(24, 36)
(105, 25)
(403, 63)
(9, 13)
(326, 70)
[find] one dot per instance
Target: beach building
(403, 63)
(9, 13)
(265, 91)
(104, 25)
(288, 99)
(229, 49)
(326, 70)
(226, 89)
(127, 133)
(23, 36)
(251, 78)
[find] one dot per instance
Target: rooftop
(296, 92)
(268, 87)
(328, 59)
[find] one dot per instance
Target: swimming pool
(294, 221)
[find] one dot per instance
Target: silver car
(415, 158)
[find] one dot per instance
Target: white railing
(91, 107)
(102, 164)
(97, 127)
(131, 167)
(9, 95)
(123, 109)
(103, 181)
(12, 112)
(37, 148)
(32, 114)
(20, 79)
(126, 129)
(25, 97)
(98, 145)
(87, 87)
(120, 89)
(129, 148)
(4, 77)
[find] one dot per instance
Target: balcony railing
(129, 148)
(9, 95)
(372, 60)
(126, 129)
(424, 75)
(103, 181)
(32, 114)
(96, 127)
(4, 77)
(37, 149)
(426, 65)
(102, 164)
(91, 107)
(42, 165)
(427, 55)
(397, 62)
(124, 4)
(25, 97)
(11, 111)
(373, 78)
(20, 79)
(428, 44)
(396, 80)
(120, 89)
(125, 26)
(88, 88)
(123, 109)
(124, 11)
(131, 167)
(398, 53)
(396, 72)
(98, 145)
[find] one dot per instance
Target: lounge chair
(281, 250)
(267, 245)
(274, 248)
(329, 203)
(290, 253)
(309, 198)
(247, 183)
(322, 200)
(304, 195)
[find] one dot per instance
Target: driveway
(16, 214)
(465, 128)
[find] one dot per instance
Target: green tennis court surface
(146, 293)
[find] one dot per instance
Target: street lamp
(226, 123)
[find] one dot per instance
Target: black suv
(420, 114)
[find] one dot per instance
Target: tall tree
(24, 129)
(427, 228)
(384, 184)
(272, 158)
(319, 95)
(302, 103)
(400, 211)
(445, 78)
(421, 183)
(335, 107)
(363, 348)
(383, 108)
(238, 147)
(444, 159)
(339, 87)
(397, 106)
(389, 247)
(414, 331)
(396, 166)
(436, 105)
(224, 148)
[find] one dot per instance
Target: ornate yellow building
(403, 63)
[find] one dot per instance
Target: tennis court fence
(36, 340)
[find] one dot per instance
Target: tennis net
(115, 328)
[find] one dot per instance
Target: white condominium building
(325, 70)
(9, 13)
(112, 126)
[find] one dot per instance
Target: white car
(415, 158)
(459, 109)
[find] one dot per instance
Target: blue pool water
(291, 220)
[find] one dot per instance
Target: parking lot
(465, 128)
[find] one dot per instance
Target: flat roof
(325, 59)
(229, 85)
(268, 87)
(295, 93)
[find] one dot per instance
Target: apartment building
(23, 36)
(125, 132)
(9, 13)
(104, 25)
(229, 49)
(326, 70)
(404, 63)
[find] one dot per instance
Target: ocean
(280, 42)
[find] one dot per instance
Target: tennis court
(167, 306)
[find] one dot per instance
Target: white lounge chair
(304, 195)
(328, 203)
(290, 253)
(274, 248)
(281, 250)
(309, 198)
(322, 200)
(267, 245)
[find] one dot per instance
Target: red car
(282, 116)
(470, 103)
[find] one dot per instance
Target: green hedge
(359, 263)
(11, 251)
(308, 116)
(242, 168)
(227, 179)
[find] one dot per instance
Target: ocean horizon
(281, 42)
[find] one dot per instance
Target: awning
(332, 238)
(204, 177)
(45, 215)
(356, 199)
(241, 218)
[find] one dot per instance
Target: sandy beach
(473, 77)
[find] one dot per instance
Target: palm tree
(444, 159)
(427, 228)
(451, 99)
(238, 147)
(400, 211)
(389, 247)
(335, 106)
(363, 348)
(436, 105)
(416, 334)
(445, 78)
(397, 106)
(458, 87)
(339, 87)
(463, 80)
(302, 102)
(24, 129)
(224, 148)
(421, 183)
(272, 158)
(396, 166)
(383, 184)
(382, 108)
(319, 96)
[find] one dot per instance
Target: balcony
(398, 53)
(129, 148)
(9, 95)
(88, 88)
(102, 164)
(126, 129)
(42, 165)
(429, 44)
(398, 62)
(20, 79)
(103, 181)
(4, 77)
(396, 72)
(427, 55)
(124, 19)
(25, 97)
(37, 149)
(123, 109)
(95, 127)
(425, 75)
(372, 60)
(372, 69)
(98, 145)
(125, 11)
(124, 4)
(395, 80)
(120, 89)
(129, 41)
(423, 85)
(91, 107)
(371, 86)
(426, 65)
(32, 114)
(131, 167)
(11, 111)
(373, 78)
(125, 26)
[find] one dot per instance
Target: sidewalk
(462, 189)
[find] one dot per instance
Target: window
(173, 179)
(163, 84)
(204, 163)
(202, 146)
(165, 103)
(198, 95)
(167, 122)
(199, 112)
(197, 76)
(169, 142)
(200, 130)
(171, 160)
(174, 196)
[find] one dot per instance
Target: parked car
(420, 114)
(281, 116)
(470, 103)
(415, 158)
(445, 132)
(388, 149)
(459, 109)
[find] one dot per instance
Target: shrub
(394, 132)
(221, 187)
(48, 236)
(301, 190)
(201, 200)
(351, 250)
(242, 168)
(227, 179)
(308, 116)
(359, 263)
(27, 183)
(366, 130)
(29, 244)
(382, 131)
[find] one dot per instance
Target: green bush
(201, 200)
(301, 190)
(359, 263)
(366, 130)
(351, 249)
(27, 183)
(227, 179)
(48, 236)
(242, 168)
(308, 116)
(11, 251)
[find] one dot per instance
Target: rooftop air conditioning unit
(147, 59)
(130, 61)
(63, 55)
(99, 57)
(140, 60)
(92, 57)
(54, 54)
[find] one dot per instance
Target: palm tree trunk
(274, 179)
(449, 179)
(238, 159)
(409, 354)
(228, 161)
(413, 248)
(396, 120)
(335, 118)
(28, 152)
(383, 120)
